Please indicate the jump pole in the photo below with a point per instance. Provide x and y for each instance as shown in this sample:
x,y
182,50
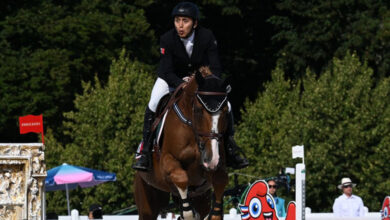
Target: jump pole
x,y
300,186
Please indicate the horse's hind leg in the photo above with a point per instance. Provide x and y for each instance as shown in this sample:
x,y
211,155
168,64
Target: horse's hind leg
x,y
148,199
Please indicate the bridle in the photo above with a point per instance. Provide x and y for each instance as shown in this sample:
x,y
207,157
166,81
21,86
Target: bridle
x,y
200,135
212,134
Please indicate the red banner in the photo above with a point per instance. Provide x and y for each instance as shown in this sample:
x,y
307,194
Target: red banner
x,y
31,123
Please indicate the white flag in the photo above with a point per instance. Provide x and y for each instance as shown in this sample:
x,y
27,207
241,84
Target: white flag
x,y
297,151
290,170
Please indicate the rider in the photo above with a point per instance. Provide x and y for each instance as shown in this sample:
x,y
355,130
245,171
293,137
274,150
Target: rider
x,y
184,49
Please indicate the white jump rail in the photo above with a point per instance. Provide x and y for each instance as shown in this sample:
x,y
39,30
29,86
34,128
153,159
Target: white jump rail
x,y
231,216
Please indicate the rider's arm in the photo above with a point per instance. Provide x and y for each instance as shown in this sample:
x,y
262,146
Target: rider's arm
x,y
166,69
212,53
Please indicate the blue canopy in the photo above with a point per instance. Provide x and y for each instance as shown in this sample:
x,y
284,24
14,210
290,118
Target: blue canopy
x,y
67,177
73,176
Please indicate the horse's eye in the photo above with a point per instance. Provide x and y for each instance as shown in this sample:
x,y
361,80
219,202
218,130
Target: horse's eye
x,y
198,111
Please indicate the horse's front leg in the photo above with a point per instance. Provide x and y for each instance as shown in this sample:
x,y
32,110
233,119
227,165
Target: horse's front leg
x,y
220,180
179,177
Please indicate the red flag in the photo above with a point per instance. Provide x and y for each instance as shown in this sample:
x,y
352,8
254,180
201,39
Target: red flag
x,y
31,123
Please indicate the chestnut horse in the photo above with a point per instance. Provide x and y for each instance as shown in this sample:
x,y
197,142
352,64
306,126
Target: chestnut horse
x,y
190,162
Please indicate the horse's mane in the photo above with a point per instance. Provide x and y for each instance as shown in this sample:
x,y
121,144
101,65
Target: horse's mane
x,y
205,71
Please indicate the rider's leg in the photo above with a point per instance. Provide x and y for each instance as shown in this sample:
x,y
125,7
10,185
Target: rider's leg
x,y
144,161
233,159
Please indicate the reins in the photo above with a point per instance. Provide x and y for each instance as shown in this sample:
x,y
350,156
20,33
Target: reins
x,y
191,123
209,135
172,103
211,93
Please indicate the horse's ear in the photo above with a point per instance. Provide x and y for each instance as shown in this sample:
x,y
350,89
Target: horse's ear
x,y
199,78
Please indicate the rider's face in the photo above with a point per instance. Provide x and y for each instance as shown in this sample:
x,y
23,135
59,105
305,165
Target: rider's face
x,y
184,26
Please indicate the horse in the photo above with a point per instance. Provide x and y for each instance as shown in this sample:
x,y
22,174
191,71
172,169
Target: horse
x,y
190,162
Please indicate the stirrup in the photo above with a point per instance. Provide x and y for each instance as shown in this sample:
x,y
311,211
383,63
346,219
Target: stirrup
x,y
234,160
238,162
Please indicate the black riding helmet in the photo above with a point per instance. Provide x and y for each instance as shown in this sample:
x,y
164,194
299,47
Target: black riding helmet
x,y
187,9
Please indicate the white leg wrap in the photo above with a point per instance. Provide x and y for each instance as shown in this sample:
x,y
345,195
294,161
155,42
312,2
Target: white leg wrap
x,y
183,195
187,215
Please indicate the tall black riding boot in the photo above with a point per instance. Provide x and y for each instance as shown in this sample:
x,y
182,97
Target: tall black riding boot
x,y
232,150
144,162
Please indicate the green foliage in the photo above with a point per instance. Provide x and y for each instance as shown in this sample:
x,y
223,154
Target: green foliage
x,y
48,47
311,33
262,124
105,129
343,120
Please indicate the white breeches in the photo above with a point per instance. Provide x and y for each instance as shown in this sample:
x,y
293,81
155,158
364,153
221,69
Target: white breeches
x,y
159,90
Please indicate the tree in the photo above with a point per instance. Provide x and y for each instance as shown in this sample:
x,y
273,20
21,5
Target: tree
x,y
48,47
312,33
342,118
105,129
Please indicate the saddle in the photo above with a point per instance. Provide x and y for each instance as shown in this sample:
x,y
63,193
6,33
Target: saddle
x,y
165,104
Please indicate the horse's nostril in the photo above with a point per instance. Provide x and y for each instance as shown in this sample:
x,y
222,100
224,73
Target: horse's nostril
x,y
206,156
206,160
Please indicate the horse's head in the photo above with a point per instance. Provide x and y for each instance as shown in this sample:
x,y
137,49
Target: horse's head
x,y
210,117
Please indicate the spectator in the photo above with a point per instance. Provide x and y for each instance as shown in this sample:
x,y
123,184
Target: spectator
x,y
95,212
348,205
279,201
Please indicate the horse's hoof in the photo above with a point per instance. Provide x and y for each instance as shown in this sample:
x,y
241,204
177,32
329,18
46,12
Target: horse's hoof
x,y
197,216
208,217
192,216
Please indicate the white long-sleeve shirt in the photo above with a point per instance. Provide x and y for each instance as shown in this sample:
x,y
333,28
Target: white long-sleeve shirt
x,y
189,43
345,206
